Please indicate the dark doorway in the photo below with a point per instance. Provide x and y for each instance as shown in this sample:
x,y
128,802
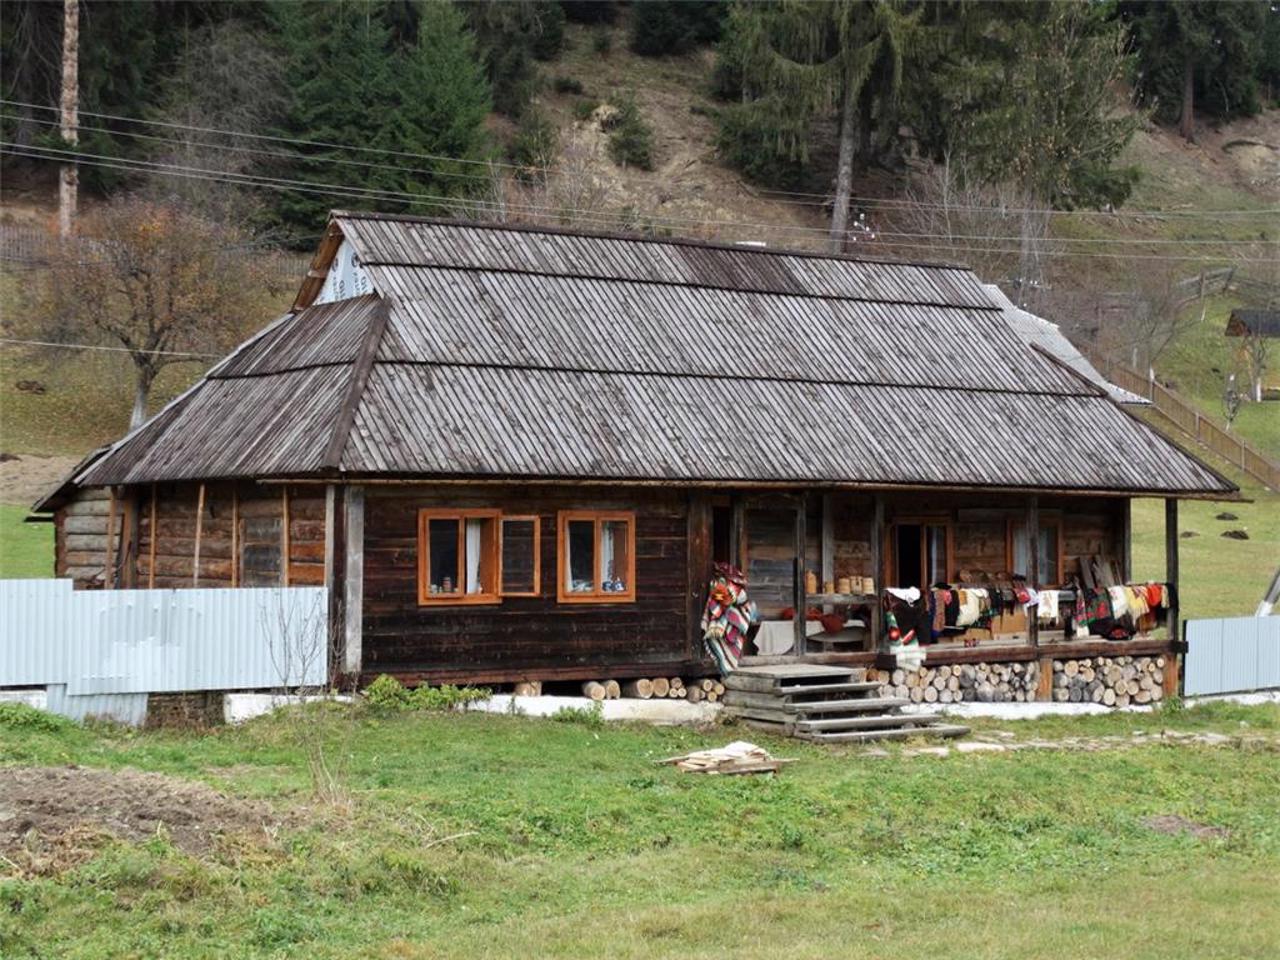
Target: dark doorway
x,y
721,523
908,560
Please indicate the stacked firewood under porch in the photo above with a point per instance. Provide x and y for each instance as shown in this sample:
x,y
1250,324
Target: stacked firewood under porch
x,y
812,701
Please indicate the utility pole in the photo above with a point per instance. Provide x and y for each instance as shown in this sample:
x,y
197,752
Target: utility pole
x,y
69,178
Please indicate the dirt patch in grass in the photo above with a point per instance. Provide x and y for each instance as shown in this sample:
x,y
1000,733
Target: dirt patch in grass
x,y
24,479
50,813
1171,823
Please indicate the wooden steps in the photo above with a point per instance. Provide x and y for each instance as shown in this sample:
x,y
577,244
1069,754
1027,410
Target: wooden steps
x,y
945,731
813,701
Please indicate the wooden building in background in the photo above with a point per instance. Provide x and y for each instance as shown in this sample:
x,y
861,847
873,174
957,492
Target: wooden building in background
x,y
516,453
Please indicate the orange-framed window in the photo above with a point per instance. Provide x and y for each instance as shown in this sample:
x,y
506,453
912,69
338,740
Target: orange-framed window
x,y
458,556
520,556
1018,556
596,556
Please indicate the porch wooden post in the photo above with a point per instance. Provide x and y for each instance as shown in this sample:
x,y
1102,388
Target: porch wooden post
x,y
700,566
828,574
1126,541
353,576
801,599
1171,564
1033,568
737,528
879,641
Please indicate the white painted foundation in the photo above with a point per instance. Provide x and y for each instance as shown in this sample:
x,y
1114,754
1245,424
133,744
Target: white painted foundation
x,y
625,709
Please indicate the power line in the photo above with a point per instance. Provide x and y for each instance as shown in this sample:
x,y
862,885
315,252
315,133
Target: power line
x,y
296,141
89,346
821,199
583,216
279,154
1127,241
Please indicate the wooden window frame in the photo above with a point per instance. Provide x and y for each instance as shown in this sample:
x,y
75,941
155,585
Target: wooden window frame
x,y
428,599
922,521
599,518
537,554
1050,520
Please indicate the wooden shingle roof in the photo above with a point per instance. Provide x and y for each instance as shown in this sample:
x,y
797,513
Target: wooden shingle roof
x,y
493,352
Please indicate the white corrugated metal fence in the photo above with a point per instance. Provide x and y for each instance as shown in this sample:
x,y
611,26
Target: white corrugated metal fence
x,y
112,646
1232,655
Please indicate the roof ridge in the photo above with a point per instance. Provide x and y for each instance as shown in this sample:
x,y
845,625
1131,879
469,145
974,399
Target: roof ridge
x,y
1090,391
636,238
361,367
760,290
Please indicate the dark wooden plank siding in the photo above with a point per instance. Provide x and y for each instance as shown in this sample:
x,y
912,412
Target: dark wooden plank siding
x,y
250,506
523,634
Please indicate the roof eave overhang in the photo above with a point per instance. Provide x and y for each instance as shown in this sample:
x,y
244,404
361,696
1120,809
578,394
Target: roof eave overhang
x,y
1232,494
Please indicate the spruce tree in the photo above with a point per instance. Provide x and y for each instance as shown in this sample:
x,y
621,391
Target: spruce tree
x,y
810,57
1199,55
350,86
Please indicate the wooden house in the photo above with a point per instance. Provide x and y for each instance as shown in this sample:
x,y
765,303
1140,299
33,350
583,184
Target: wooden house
x,y
517,453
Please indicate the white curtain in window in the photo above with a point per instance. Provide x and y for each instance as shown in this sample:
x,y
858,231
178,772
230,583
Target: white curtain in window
x,y
475,529
606,553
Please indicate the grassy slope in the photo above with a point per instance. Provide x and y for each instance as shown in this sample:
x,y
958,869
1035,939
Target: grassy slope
x,y
575,844
26,549
1198,363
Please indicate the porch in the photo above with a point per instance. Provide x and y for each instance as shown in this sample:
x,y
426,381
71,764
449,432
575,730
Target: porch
x,y
795,548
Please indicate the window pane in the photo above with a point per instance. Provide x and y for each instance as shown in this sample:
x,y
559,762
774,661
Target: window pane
x,y
260,549
478,555
580,564
1049,555
935,555
614,559
1048,551
519,549
442,544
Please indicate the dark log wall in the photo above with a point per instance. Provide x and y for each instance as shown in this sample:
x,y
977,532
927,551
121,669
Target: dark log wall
x,y
84,549
528,635
80,537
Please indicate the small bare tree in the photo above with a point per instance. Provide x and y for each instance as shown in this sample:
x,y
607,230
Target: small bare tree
x,y
1231,400
164,284
953,215
228,78
1256,346
302,645
1161,313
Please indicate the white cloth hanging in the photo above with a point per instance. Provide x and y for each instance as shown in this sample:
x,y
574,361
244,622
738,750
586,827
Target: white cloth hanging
x,y
606,554
1048,605
475,529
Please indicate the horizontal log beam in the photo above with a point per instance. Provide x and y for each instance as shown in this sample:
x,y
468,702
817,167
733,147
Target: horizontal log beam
x,y
412,676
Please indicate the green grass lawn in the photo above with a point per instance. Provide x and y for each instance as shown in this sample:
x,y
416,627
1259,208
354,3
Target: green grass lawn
x,y
26,549
570,842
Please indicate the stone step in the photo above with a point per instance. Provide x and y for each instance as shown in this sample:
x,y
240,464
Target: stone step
x,y
867,723
944,731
